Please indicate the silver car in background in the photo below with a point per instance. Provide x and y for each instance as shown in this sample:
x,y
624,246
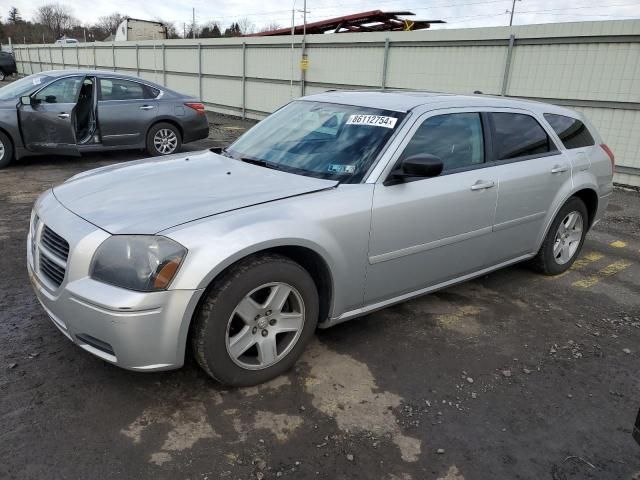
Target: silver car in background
x,y
70,112
335,206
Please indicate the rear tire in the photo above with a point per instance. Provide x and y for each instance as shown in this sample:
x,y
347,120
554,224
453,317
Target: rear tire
x,y
6,150
163,139
564,240
255,321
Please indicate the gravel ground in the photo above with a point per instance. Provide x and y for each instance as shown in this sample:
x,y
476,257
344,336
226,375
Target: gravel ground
x,y
512,375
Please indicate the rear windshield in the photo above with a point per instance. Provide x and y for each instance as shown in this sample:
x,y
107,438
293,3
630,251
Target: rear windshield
x,y
572,132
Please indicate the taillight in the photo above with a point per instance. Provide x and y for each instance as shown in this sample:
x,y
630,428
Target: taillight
x,y
612,157
198,107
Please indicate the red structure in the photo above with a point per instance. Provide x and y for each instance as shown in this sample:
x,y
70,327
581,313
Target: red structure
x,y
373,21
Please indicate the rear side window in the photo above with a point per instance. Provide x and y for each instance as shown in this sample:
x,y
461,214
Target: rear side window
x,y
455,138
119,89
572,132
518,135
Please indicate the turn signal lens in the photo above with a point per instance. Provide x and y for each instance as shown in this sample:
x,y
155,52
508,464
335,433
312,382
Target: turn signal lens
x,y
165,274
198,107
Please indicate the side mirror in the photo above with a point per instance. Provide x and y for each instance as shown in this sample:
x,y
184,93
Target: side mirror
x,y
423,165
25,100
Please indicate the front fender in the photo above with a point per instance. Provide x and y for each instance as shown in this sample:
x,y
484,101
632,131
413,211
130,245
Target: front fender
x,y
333,223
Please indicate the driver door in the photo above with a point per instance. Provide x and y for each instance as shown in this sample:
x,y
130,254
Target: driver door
x,y
429,231
48,123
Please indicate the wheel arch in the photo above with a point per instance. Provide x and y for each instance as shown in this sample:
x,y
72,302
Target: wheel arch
x,y
587,194
307,257
168,120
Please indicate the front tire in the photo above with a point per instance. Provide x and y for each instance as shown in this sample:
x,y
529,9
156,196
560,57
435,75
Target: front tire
x,y
564,240
163,139
255,320
6,150
3,76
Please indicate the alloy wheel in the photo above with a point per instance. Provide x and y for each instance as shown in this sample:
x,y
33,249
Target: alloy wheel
x,y
2,150
165,141
568,237
265,326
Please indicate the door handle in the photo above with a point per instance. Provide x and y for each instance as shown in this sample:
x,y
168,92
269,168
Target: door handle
x,y
63,115
559,169
146,107
480,185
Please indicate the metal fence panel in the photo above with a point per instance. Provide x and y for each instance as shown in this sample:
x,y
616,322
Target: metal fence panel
x,y
593,67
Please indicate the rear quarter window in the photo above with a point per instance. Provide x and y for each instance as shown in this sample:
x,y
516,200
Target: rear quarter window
x,y
517,135
572,132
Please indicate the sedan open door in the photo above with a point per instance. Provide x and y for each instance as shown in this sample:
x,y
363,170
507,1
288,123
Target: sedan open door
x,y
48,117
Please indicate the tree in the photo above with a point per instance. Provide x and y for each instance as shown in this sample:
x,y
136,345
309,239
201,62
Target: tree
x,y
14,16
211,30
56,17
246,26
270,27
233,30
109,23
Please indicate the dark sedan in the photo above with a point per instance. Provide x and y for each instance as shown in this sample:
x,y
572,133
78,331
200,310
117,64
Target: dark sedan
x,y
7,65
69,112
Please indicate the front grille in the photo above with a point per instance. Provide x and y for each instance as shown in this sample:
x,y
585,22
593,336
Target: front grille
x,y
55,243
52,253
53,271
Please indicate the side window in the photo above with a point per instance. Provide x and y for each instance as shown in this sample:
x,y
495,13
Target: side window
x,y
456,138
64,90
572,132
518,135
118,89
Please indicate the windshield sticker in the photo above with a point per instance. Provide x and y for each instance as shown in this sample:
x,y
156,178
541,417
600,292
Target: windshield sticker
x,y
335,168
37,80
373,120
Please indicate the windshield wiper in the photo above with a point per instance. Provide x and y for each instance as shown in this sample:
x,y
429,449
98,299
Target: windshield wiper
x,y
260,163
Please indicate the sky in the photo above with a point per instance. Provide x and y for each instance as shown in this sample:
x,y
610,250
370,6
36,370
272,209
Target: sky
x,y
457,13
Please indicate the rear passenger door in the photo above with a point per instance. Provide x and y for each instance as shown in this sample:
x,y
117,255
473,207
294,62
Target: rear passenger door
x,y
126,110
531,173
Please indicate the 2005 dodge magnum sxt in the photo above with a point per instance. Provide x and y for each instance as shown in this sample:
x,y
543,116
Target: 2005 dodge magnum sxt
x,y
336,205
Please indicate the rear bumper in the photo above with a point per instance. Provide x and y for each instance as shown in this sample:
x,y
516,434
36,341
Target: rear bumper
x,y
196,128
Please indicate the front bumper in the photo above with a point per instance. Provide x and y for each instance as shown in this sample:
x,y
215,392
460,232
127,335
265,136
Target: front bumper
x,y
134,330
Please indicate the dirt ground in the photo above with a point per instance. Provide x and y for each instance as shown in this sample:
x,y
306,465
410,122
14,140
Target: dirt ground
x,y
513,376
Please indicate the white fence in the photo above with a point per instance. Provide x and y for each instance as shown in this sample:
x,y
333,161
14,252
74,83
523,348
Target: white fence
x,y
593,67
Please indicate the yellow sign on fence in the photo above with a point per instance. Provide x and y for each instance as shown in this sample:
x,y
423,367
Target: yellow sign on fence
x,y
304,64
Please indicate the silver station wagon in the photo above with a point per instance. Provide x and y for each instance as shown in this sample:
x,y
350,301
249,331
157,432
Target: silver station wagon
x,y
336,205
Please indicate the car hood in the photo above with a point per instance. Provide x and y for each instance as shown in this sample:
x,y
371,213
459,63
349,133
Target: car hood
x,y
148,196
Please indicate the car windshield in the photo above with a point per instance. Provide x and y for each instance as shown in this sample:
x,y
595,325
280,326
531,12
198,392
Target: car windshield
x,y
22,86
324,140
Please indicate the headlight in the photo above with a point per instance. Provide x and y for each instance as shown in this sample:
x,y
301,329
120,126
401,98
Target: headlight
x,y
138,262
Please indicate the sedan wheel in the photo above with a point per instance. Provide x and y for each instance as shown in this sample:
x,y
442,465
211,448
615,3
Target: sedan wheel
x,y
265,326
6,150
568,237
165,141
255,320
2,76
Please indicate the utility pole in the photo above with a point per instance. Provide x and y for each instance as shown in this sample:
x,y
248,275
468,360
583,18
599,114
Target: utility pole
x,y
193,23
513,8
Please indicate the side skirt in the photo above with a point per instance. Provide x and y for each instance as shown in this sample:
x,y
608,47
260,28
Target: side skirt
x,y
423,291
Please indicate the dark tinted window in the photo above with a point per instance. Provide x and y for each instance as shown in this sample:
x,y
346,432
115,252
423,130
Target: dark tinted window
x,y
455,138
572,132
118,89
518,135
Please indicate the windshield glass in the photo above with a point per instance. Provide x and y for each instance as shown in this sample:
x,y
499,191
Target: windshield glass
x,y
324,140
23,86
